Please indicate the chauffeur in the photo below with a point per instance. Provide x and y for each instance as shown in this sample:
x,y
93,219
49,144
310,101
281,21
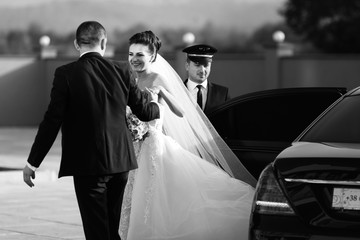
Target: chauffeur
x,y
198,66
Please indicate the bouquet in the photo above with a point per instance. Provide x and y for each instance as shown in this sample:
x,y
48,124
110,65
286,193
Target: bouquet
x,y
138,129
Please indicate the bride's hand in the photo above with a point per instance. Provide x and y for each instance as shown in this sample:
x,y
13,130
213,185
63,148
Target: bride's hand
x,y
153,94
156,89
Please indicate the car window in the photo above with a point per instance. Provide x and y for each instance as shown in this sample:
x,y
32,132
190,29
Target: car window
x,y
271,118
340,124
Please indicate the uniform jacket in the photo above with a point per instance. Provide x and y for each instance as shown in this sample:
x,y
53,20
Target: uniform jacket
x,y
88,102
216,95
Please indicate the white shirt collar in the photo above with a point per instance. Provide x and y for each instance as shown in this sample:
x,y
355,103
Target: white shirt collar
x,y
87,52
192,84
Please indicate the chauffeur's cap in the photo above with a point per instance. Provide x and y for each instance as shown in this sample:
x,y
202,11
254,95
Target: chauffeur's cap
x,y
200,53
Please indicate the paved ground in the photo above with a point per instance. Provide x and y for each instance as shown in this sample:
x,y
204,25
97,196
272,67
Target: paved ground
x,y
47,211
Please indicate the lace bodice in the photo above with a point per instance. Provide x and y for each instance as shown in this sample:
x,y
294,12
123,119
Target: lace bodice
x,y
155,128
156,124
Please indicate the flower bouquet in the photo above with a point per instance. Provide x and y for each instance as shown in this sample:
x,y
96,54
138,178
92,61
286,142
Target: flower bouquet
x,y
138,129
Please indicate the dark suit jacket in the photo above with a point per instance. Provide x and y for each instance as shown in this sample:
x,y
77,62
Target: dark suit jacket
x,y
216,95
88,101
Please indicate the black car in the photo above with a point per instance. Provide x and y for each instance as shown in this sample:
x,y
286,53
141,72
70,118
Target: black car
x,y
312,189
259,125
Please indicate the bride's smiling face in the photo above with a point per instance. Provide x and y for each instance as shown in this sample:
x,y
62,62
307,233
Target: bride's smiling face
x,y
140,57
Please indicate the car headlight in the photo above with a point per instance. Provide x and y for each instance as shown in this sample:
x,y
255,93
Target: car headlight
x,y
269,198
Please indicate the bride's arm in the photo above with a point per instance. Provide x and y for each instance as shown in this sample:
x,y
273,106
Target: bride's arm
x,y
171,101
159,85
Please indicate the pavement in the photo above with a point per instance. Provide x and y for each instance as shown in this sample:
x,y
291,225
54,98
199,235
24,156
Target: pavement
x,y
49,210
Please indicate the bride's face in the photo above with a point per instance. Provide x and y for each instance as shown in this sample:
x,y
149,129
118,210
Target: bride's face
x,y
140,57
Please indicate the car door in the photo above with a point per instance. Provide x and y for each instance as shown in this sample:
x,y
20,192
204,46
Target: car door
x,y
259,125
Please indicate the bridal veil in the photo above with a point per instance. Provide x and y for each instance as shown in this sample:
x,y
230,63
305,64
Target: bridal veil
x,y
194,131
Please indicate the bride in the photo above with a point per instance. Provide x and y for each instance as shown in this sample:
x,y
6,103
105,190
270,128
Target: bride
x,y
189,185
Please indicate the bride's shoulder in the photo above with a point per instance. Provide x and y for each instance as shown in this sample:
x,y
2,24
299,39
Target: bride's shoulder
x,y
159,80
153,77
157,76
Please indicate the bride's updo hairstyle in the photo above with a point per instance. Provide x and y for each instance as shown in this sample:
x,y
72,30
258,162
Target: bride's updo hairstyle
x,y
147,38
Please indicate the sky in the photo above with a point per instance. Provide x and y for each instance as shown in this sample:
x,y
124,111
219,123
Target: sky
x,y
21,3
62,15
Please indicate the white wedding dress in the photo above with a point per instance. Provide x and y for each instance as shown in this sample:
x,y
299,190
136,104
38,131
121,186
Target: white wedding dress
x,y
176,195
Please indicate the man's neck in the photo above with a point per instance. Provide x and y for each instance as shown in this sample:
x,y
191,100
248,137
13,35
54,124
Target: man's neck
x,y
88,50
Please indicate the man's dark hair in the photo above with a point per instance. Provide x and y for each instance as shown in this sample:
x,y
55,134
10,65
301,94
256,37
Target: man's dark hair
x,y
90,33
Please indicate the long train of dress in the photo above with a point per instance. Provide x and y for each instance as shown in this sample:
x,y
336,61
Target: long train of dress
x,y
177,195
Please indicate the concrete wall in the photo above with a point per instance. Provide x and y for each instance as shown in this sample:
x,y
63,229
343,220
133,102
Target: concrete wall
x,y
22,91
25,82
318,71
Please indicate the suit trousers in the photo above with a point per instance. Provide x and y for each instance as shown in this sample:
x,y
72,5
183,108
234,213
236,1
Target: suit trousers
x,y
100,199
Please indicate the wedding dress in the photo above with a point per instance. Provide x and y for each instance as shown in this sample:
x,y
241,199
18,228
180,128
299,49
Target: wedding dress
x,y
177,195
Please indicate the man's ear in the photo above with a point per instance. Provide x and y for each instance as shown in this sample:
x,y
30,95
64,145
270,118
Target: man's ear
x,y
77,47
103,43
186,66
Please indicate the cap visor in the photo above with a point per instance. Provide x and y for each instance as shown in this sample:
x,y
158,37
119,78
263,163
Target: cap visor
x,y
200,60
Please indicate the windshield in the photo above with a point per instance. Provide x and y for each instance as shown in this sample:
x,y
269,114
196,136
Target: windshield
x,y
340,124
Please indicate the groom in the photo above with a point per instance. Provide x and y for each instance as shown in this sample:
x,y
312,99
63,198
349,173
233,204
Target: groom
x,y
88,102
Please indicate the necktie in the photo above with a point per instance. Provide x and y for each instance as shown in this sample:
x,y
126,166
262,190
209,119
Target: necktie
x,y
199,96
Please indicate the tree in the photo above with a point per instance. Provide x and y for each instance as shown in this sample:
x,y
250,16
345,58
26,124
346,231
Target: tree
x,y
34,32
18,42
330,25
